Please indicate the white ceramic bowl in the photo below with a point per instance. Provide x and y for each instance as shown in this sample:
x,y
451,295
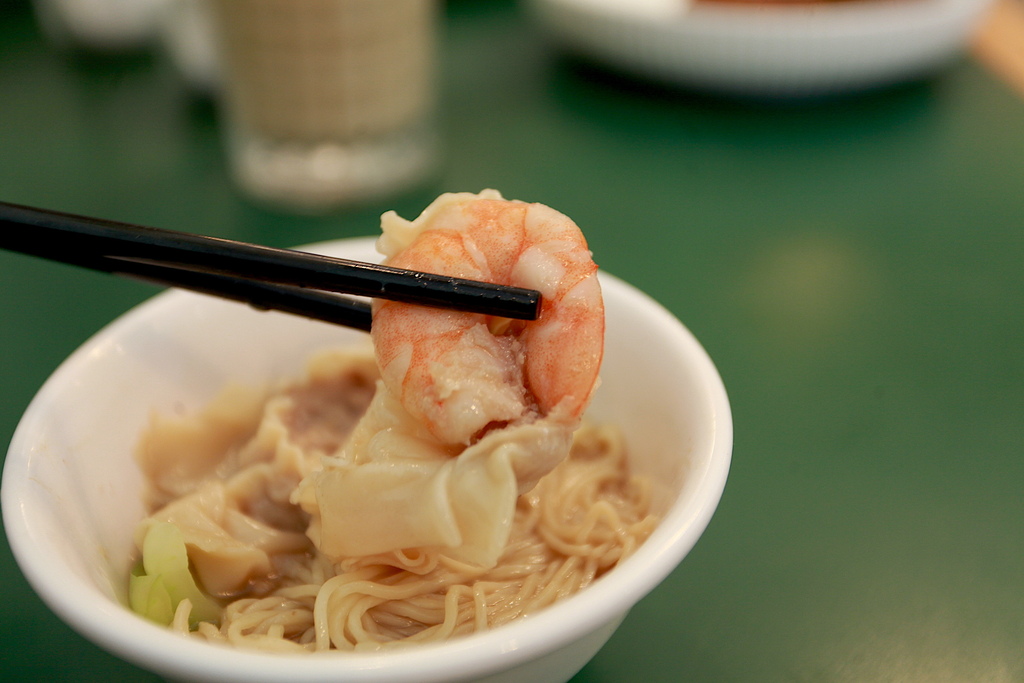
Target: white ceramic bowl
x,y
71,489
762,49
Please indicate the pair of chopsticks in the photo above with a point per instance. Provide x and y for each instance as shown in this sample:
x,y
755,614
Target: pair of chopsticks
x,y
264,277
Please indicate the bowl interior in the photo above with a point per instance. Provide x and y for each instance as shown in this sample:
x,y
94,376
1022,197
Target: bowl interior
x,y
71,490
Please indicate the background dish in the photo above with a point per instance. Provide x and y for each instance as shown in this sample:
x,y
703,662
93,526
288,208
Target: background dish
x,y
71,491
765,49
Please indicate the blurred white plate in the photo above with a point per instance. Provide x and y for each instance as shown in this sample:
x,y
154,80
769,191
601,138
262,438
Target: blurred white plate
x,y
816,48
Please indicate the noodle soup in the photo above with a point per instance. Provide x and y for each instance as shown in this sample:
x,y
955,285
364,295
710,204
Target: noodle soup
x,y
434,485
73,492
280,593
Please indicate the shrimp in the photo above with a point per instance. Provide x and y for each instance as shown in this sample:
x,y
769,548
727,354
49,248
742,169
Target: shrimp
x,y
470,410
462,375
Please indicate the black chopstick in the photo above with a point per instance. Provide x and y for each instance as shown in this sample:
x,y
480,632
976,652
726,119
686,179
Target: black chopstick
x,y
266,277
308,303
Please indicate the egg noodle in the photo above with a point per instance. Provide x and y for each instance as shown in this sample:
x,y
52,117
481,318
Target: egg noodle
x,y
578,522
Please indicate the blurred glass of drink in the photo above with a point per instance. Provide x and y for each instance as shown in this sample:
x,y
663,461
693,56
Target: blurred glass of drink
x,y
327,102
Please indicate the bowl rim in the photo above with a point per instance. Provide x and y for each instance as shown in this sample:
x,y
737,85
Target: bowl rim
x,y
156,648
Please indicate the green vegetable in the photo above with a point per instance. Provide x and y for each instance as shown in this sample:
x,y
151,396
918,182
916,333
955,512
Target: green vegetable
x,y
162,579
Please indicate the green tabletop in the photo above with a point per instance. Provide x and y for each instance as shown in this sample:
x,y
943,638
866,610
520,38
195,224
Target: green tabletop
x,y
855,268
